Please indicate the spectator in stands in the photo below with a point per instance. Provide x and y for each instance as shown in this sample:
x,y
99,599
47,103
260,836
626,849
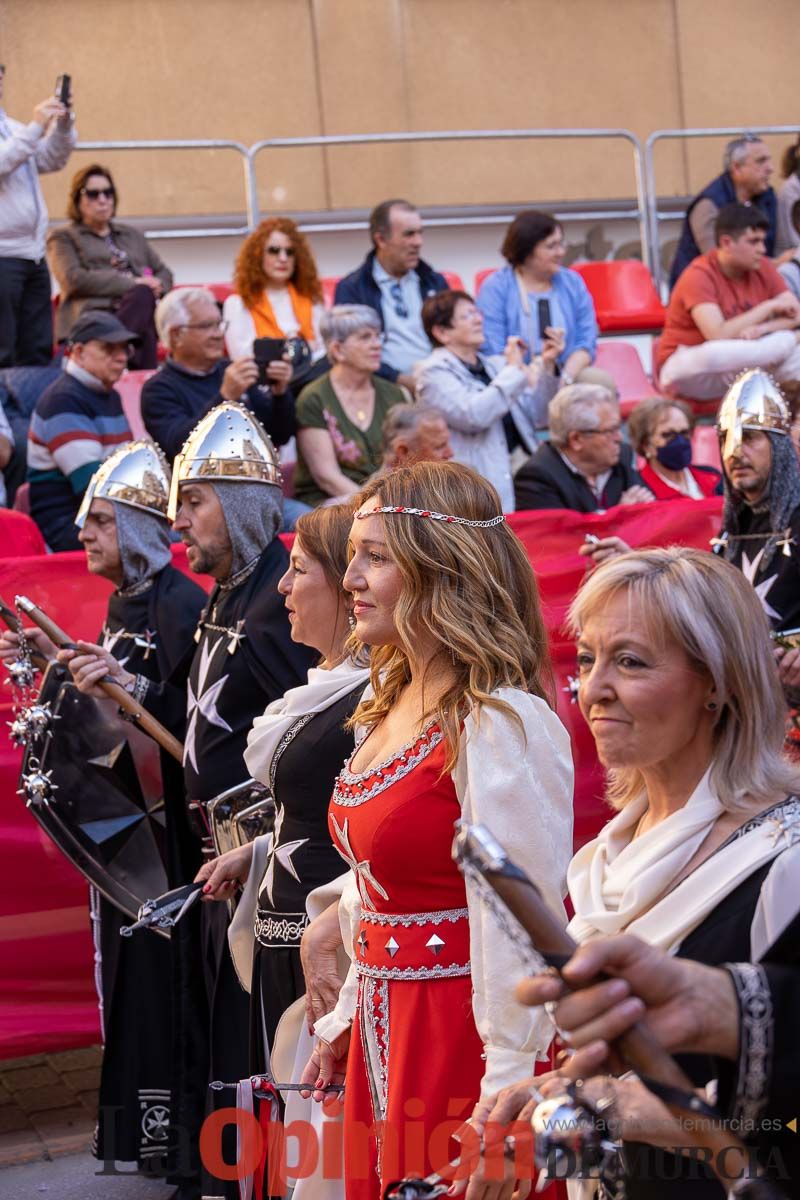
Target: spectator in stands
x,y
101,264
45,144
788,229
492,404
395,280
77,422
6,450
414,433
340,415
661,432
747,169
585,465
728,311
278,294
197,377
533,285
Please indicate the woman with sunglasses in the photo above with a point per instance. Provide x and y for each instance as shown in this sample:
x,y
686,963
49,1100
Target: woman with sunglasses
x,y
278,293
102,264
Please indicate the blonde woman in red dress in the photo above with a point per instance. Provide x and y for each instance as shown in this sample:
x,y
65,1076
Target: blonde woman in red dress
x,y
457,724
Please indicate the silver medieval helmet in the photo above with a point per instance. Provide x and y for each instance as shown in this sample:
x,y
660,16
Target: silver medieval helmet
x,y
753,401
137,474
228,445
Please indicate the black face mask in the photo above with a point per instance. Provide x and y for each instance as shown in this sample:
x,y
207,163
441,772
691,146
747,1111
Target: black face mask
x,y
676,454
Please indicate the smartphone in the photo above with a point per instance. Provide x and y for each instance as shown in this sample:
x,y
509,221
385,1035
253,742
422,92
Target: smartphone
x,y
545,320
63,90
265,351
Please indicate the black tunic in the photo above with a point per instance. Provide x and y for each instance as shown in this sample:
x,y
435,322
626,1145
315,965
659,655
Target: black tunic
x,y
778,584
654,1174
303,770
242,660
148,632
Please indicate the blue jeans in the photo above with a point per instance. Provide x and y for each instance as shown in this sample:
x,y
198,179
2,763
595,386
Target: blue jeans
x,y
292,509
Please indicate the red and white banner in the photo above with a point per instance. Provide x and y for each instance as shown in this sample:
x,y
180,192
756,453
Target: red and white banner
x,y
47,999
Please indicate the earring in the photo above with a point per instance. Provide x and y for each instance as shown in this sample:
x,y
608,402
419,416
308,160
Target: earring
x,y
712,705
351,621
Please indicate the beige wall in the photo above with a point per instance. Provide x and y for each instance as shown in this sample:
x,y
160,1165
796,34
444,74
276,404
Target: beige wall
x,y
247,69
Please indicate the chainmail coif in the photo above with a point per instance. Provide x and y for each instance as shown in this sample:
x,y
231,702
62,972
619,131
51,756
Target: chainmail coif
x,y
781,498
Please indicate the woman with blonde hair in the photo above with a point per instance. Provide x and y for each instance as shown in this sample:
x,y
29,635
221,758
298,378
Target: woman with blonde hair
x,y
457,724
680,690
278,292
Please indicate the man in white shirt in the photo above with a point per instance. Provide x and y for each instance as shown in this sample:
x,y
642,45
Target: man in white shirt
x,y
395,281
45,144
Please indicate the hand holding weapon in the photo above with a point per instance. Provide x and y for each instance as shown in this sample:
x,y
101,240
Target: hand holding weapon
x,y
112,689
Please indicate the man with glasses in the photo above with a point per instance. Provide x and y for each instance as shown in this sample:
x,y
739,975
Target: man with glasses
x,y
585,466
197,376
395,280
77,422
44,144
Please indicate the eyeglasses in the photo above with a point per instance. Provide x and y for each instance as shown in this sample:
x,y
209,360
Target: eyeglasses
x,y
276,251
610,431
400,307
97,193
206,326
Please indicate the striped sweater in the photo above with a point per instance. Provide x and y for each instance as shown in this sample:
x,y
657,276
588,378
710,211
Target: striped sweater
x,y
73,428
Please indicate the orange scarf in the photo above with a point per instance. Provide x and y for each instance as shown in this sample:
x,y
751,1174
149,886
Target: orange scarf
x,y
267,326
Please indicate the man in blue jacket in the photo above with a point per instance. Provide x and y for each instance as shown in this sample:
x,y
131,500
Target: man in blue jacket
x,y
747,171
395,281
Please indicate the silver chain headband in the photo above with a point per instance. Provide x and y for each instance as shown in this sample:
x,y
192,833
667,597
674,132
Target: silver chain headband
x,y
433,516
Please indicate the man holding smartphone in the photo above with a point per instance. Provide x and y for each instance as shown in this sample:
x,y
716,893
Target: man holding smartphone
x,y
44,144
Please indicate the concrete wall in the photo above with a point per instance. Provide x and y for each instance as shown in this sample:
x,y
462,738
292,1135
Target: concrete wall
x,y
247,69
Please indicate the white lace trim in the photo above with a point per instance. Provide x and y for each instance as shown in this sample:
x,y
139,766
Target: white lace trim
x,y
412,973
409,919
402,761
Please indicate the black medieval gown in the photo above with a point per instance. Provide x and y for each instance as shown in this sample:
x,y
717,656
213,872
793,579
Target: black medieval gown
x,y
302,773
148,632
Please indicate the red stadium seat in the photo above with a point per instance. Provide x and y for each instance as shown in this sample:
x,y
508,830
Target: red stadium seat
x,y
22,499
481,278
329,289
622,361
705,447
130,390
624,295
454,282
220,291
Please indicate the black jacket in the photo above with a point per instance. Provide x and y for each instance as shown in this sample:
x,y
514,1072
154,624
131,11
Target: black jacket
x,y
545,481
174,400
359,287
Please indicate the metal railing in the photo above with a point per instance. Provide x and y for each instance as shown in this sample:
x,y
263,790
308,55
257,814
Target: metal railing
x,y
196,144
639,213
654,214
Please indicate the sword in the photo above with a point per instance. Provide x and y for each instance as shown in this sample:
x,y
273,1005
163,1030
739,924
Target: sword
x,y
8,615
113,690
165,911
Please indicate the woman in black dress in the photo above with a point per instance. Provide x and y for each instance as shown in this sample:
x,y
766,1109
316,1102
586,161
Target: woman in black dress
x,y
296,748
679,686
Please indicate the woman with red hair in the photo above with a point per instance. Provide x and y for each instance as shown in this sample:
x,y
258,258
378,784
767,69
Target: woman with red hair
x,y
278,292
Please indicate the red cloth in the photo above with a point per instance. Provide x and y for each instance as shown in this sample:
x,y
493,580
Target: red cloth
x,y
703,282
705,480
47,999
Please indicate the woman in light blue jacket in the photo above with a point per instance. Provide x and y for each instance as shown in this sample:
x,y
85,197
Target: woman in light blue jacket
x,y
492,404
535,287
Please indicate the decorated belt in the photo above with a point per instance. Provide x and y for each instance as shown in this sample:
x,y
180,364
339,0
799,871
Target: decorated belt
x,y
428,945
275,930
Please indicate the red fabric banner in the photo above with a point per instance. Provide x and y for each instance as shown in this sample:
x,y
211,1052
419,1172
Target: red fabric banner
x,y
47,998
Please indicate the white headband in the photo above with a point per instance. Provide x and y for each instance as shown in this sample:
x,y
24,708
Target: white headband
x,y
433,516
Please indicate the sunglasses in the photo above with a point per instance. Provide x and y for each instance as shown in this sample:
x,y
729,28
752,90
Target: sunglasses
x,y
96,193
276,251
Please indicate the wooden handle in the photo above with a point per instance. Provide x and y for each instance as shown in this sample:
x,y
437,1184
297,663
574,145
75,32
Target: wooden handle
x,y
638,1046
113,690
8,615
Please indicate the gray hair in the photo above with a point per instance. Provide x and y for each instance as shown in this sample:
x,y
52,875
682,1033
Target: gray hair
x,y
405,419
737,150
574,408
712,612
174,309
345,319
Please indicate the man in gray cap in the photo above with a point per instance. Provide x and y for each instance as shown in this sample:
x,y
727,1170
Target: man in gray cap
x,y
77,422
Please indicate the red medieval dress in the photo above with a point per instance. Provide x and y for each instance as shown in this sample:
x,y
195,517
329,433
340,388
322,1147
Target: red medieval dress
x,y
415,1057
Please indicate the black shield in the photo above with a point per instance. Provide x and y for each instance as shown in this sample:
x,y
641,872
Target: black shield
x,y
105,807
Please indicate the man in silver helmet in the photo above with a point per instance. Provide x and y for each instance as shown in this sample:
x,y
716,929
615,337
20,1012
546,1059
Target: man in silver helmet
x,y
761,517
226,503
149,624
